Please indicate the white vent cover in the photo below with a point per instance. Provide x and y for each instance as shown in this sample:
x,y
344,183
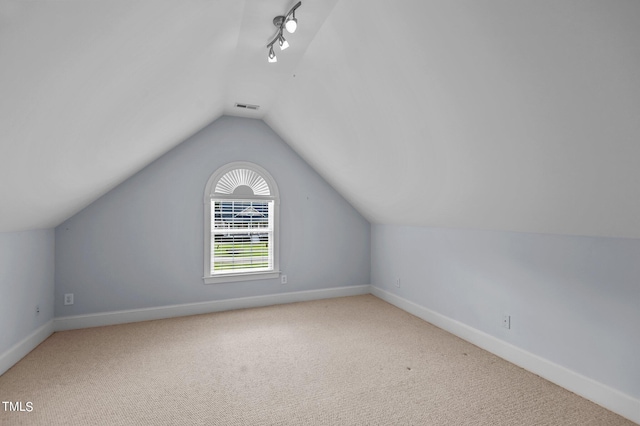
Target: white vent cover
x,y
236,178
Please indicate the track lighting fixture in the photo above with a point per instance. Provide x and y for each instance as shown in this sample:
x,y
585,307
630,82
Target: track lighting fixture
x,y
287,21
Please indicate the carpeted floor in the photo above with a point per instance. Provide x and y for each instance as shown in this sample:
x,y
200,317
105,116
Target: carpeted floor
x,y
347,361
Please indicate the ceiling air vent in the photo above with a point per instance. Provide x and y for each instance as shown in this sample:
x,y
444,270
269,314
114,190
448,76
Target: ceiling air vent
x,y
247,106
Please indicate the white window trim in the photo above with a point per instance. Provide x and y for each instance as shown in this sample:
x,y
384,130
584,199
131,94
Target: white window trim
x,y
209,194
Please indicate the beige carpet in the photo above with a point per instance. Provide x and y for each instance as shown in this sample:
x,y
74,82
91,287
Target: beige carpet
x,y
348,361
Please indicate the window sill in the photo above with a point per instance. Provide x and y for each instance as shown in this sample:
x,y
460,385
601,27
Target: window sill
x,y
244,276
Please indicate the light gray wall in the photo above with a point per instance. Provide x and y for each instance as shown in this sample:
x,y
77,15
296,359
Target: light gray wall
x,y
26,280
573,300
141,245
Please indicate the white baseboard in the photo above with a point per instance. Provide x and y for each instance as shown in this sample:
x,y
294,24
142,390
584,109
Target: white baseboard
x,y
23,347
590,389
162,312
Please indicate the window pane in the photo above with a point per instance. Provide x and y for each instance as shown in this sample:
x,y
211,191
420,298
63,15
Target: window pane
x,y
241,236
240,214
231,253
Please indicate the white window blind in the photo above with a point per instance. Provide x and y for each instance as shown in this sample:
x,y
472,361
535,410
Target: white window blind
x,y
239,178
241,235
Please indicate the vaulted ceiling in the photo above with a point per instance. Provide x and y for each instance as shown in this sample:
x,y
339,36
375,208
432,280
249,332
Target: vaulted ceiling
x,y
491,114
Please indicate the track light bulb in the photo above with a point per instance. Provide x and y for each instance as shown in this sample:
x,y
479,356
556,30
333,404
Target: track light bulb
x,y
283,42
272,55
292,23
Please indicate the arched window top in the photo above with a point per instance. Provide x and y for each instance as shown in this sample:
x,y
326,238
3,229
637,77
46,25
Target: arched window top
x,y
241,179
242,182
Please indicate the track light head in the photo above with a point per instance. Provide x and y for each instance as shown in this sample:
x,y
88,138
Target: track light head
x,y
282,42
272,55
292,23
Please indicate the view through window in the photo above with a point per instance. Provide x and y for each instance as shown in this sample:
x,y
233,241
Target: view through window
x,y
242,237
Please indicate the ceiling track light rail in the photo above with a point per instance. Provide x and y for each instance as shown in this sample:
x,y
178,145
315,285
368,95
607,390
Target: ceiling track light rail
x,y
282,22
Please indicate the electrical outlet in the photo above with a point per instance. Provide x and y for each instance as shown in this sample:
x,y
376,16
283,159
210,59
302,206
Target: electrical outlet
x,y
398,282
506,321
283,279
68,299
37,310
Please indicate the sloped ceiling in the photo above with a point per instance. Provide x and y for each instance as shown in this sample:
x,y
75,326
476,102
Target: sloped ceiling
x,y
521,116
93,91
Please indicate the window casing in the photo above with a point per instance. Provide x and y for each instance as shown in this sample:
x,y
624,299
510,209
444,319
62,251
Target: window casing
x,y
241,224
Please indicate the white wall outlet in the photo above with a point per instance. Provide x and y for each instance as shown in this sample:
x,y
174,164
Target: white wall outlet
x,y
37,310
283,279
506,321
397,282
68,299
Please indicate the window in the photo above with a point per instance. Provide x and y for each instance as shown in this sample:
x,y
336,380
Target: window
x,y
241,224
